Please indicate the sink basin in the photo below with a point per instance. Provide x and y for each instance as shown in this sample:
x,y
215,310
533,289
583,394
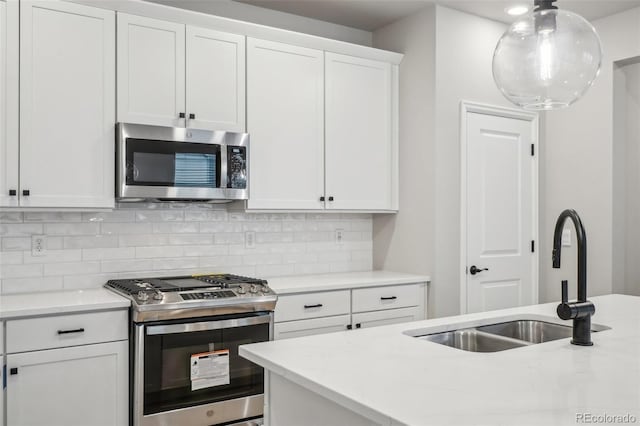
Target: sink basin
x,y
474,341
529,331
506,333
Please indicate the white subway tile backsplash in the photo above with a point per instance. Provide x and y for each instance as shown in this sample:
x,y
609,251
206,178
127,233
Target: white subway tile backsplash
x,y
84,250
16,243
126,228
52,217
20,229
91,241
71,268
159,216
127,265
71,228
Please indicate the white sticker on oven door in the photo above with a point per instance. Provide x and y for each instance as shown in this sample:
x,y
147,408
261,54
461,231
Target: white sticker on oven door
x,y
209,369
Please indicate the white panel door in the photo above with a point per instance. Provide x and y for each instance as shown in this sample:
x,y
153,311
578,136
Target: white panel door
x,y
285,118
151,71
77,386
359,144
67,105
215,80
9,143
500,208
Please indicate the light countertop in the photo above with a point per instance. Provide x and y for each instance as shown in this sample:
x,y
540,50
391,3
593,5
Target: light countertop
x,y
338,281
59,302
393,378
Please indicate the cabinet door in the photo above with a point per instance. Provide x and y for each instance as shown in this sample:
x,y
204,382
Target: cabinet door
x,y
77,386
9,59
390,316
285,109
215,80
358,133
309,327
67,105
151,67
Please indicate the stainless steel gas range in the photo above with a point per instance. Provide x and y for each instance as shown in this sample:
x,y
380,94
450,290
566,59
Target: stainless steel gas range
x,y
185,333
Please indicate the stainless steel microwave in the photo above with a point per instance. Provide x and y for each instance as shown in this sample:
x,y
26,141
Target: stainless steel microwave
x,y
172,163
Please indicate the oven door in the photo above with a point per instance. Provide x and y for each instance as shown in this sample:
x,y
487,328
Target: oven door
x,y
187,367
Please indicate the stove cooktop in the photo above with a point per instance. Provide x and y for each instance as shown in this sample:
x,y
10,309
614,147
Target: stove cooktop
x,y
187,294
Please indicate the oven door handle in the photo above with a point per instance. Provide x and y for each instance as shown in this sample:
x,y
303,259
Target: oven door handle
x,y
207,325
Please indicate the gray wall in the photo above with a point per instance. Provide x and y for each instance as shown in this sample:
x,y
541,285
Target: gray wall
x,y
447,59
273,18
579,169
405,241
626,178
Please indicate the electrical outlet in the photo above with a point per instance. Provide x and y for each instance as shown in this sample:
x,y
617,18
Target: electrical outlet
x,y
38,245
250,239
339,236
566,237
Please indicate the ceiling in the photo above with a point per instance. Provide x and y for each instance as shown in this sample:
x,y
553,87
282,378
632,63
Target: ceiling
x,y
372,14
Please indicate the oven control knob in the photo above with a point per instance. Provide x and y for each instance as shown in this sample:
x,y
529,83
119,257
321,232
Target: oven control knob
x,y
158,296
142,295
253,288
241,290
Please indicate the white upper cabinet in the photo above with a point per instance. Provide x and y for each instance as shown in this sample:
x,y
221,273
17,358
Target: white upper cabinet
x,y
9,92
359,142
151,71
175,75
215,80
67,105
285,105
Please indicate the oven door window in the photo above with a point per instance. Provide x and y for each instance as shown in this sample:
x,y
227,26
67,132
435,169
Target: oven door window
x,y
168,372
172,164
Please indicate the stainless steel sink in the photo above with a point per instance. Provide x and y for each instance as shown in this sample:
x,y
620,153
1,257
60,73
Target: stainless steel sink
x,y
474,341
529,331
501,336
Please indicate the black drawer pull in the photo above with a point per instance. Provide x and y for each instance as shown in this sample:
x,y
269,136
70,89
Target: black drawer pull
x,y
13,371
75,330
358,325
388,298
192,116
26,192
13,192
331,198
319,305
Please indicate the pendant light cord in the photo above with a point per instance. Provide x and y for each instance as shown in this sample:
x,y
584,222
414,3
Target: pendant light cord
x,y
539,5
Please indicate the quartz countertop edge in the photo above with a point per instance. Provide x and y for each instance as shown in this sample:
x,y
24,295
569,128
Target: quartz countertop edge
x,y
389,377
340,281
59,302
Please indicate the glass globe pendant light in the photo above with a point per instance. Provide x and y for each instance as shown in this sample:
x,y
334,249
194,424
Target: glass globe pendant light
x,y
547,59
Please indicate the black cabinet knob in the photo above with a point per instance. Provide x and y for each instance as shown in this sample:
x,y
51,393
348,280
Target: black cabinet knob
x,y
181,115
322,198
13,371
192,116
331,198
26,192
13,192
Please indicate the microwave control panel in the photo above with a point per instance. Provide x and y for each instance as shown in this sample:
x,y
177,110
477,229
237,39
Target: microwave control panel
x,y
237,167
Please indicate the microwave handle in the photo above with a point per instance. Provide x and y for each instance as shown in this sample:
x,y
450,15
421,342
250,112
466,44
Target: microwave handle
x,y
191,327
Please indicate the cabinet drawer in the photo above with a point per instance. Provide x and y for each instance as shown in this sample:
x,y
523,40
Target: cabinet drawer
x,y
66,330
287,330
386,317
390,297
312,305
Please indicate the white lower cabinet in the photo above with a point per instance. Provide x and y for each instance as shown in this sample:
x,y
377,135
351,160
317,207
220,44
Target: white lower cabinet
x,y
306,314
57,384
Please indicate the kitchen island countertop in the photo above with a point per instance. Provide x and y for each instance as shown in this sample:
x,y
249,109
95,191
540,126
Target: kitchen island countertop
x,y
392,378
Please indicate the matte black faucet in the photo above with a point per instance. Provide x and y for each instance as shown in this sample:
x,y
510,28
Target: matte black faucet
x,y
580,312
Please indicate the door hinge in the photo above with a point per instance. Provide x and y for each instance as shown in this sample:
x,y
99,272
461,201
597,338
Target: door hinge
x,y
533,246
533,150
